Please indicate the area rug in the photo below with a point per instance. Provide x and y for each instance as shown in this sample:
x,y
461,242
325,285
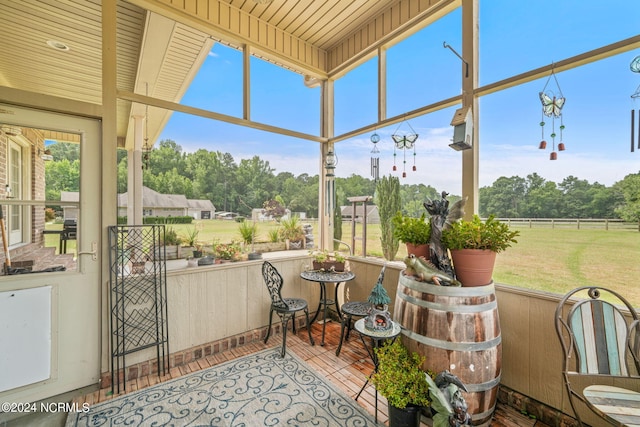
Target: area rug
x,y
256,390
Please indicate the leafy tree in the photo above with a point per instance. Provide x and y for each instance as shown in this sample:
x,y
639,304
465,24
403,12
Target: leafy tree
x,y
576,197
629,189
63,175
503,198
64,151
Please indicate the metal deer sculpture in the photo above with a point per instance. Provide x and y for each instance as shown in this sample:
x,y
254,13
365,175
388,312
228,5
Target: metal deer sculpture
x,y
442,217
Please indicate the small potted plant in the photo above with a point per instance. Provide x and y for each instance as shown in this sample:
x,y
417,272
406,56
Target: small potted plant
x,y
413,232
400,378
319,257
476,241
323,260
226,252
292,232
171,241
197,251
188,242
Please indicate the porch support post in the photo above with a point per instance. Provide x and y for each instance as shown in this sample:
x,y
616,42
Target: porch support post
x,y
326,193
108,152
134,183
470,174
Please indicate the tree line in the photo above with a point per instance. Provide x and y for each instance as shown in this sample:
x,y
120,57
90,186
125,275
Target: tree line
x,y
241,186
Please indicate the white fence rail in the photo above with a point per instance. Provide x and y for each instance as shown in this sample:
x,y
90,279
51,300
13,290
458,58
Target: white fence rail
x,y
576,223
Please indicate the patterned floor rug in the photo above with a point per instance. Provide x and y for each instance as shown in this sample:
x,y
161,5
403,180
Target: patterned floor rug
x,y
256,390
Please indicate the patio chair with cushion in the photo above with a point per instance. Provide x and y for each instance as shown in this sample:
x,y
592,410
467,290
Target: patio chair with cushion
x,y
599,337
286,308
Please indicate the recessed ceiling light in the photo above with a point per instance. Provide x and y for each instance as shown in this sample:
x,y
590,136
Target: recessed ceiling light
x,y
58,45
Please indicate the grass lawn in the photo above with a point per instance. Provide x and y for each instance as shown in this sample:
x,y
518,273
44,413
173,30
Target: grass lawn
x,y
553,260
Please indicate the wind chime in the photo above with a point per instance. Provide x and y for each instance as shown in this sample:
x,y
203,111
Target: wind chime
x,y
635,68
404,142
375,157
552,107
146,148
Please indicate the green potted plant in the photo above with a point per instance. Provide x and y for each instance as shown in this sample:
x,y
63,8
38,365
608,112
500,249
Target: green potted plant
x,y
292,232
319,257
189,240
401,380
323,260
476,241
413,232
171,241
227,251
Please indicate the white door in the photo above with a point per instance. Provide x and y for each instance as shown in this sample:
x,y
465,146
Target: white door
x,y
75,295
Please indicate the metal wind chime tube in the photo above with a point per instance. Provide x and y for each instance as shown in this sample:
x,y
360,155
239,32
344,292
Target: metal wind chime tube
x,y
635,68
375,158
331,161
633,118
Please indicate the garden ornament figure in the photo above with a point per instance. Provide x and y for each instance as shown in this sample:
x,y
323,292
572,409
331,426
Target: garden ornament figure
x,y
447,400
425,271
442,217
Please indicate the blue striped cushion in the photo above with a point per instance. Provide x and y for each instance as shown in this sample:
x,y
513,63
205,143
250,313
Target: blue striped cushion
x,y
600,332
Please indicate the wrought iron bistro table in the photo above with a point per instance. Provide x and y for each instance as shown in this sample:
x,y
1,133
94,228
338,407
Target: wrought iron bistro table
x,y
618,405
377,337
324,277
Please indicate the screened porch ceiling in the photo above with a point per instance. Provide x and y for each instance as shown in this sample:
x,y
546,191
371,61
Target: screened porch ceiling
x,y
161,44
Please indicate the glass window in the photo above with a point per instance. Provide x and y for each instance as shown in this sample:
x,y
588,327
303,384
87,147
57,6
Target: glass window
x,y
420,71
356,98
546,31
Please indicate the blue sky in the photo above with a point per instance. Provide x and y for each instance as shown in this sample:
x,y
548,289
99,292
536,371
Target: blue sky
x,y
596,114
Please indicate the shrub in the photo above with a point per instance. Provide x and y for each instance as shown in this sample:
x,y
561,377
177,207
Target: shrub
x,y
475,234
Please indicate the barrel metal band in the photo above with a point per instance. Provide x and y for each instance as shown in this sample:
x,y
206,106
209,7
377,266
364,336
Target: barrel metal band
x,y
488,385
478,308
483,415
455,346
451,291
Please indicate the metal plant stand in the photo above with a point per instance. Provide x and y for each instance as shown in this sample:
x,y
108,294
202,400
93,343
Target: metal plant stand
x,y
138,297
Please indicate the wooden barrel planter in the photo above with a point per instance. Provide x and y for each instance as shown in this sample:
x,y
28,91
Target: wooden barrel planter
x,y
456,329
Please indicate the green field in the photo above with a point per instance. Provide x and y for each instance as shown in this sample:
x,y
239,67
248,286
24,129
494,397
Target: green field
x,y
553,260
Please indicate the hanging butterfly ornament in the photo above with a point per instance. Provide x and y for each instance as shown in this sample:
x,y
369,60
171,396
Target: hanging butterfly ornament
x,y
635,68
552,104
404,142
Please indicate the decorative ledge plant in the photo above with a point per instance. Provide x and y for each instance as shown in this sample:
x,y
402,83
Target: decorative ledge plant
x,y
416,231
474,245
227,251
324,260
491,234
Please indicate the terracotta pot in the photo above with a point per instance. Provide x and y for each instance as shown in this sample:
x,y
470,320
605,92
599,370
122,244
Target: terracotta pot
x,y
473,267
418,250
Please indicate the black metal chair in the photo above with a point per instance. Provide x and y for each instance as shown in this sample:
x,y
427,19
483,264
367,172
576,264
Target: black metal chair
x,y
286,308
597,341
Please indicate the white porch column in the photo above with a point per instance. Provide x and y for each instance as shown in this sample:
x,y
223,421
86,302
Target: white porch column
x,y
134,182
